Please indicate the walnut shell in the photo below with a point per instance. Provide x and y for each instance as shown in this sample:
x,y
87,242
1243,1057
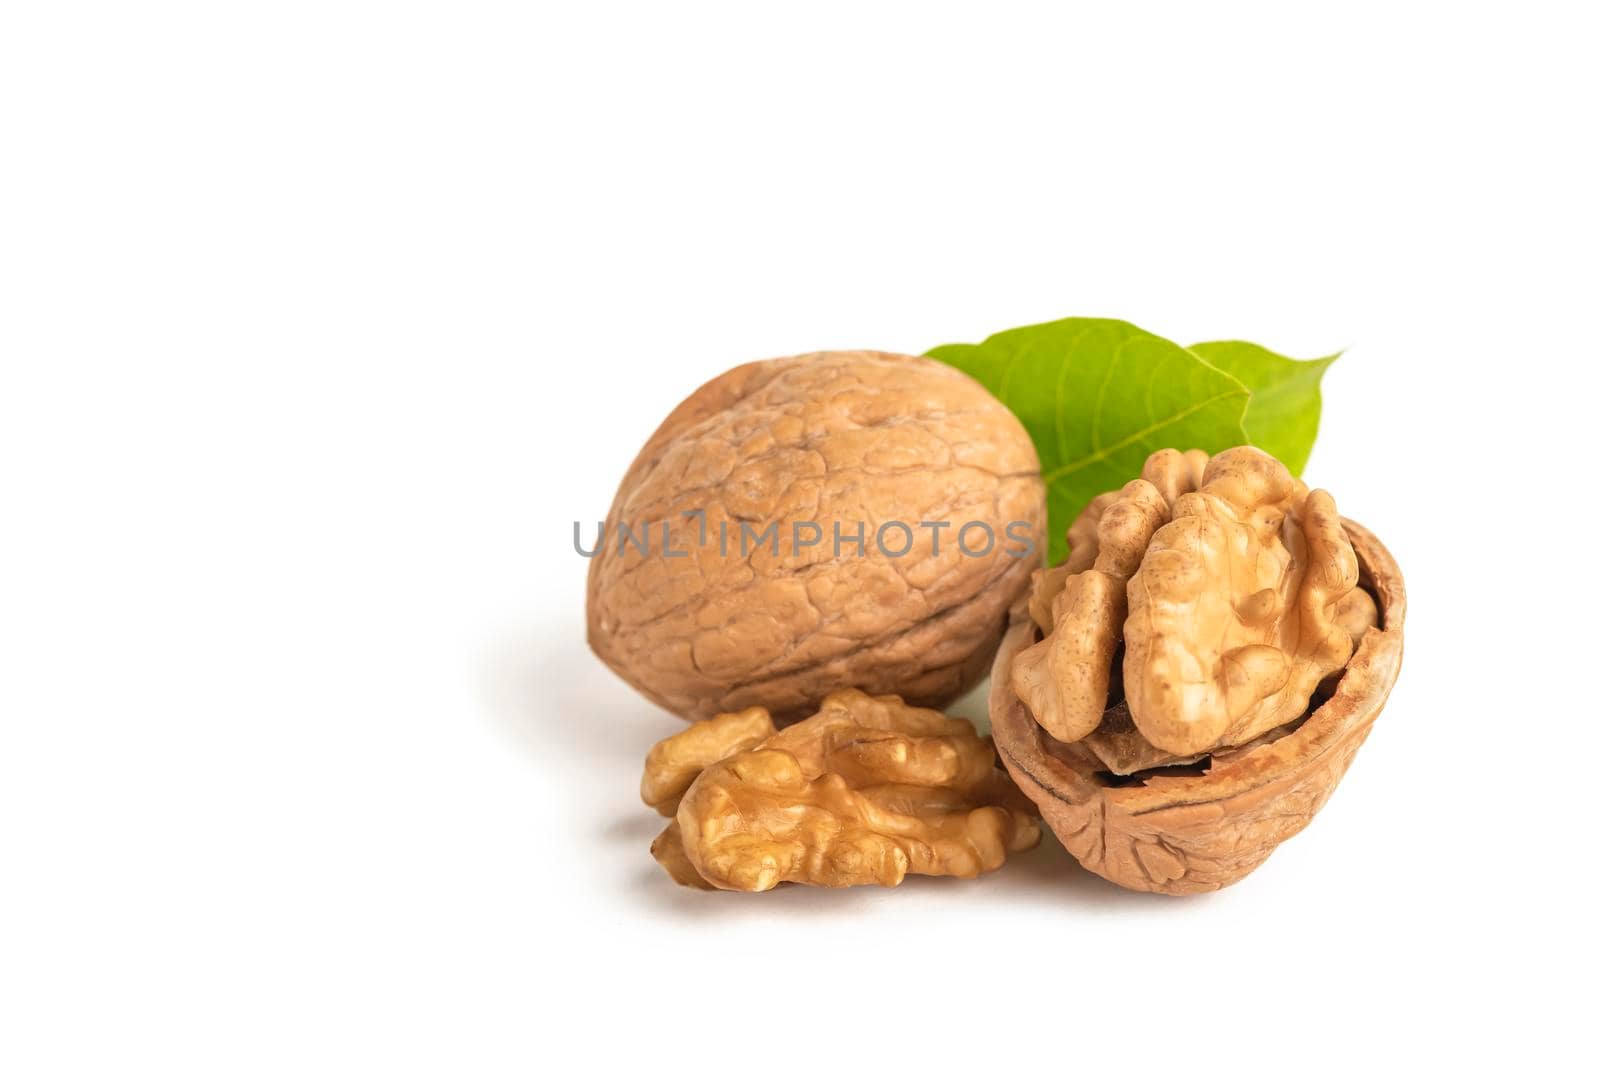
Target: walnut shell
x,y
1173,831
828,438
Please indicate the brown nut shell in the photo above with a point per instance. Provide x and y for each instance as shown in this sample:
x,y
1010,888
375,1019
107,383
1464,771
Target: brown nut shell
x,y
1177,832
868,445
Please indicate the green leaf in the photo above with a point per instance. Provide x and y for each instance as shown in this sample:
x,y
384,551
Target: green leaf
x,y
1098,396
1285,396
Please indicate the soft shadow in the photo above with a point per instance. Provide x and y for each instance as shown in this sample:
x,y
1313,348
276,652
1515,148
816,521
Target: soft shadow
x,y
1045,876
1049,872
549,697
641,826
551,700
654,892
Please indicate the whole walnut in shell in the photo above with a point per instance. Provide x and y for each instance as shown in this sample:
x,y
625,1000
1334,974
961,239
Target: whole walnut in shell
x,y
833,520
1186,690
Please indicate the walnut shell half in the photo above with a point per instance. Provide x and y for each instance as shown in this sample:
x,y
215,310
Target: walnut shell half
x,y
1178,831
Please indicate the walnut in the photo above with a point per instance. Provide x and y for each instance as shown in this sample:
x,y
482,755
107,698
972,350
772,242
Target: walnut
x,y
1252,666
669,853
1065,679
905,514
673,763
1356,613
867,790
1230,622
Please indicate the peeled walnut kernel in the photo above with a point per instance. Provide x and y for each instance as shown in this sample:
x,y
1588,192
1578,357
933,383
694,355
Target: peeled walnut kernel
x,y
1230,617
867,790
673,763
1065,679
1356,613
669,853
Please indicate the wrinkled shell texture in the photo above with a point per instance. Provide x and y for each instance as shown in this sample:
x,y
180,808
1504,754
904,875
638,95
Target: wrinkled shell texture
x,y
833,437
1245,600
866,791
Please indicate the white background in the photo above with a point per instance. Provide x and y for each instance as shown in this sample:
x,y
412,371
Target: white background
x,y
321,323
